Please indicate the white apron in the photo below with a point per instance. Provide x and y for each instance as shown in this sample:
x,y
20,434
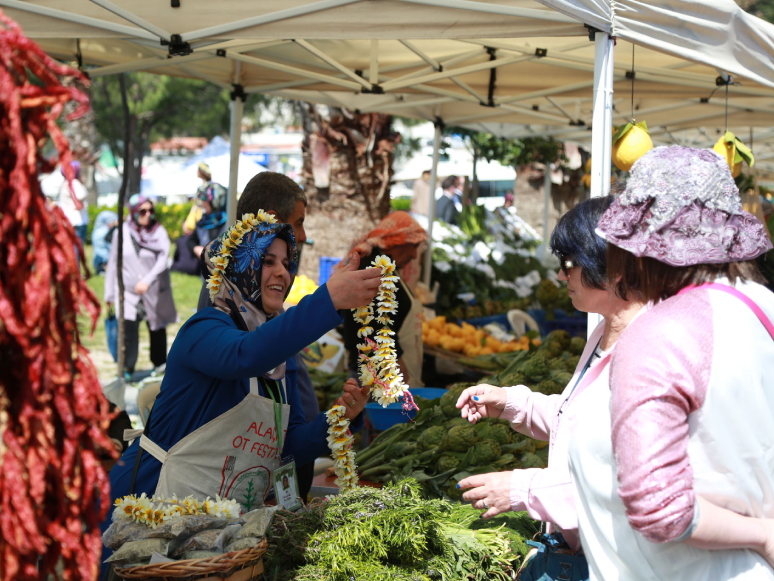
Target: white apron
x,y
410,338
233,455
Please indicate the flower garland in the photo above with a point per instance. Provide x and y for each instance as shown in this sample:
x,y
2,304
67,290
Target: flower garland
x,y
340,442
230,243
380,369
155,511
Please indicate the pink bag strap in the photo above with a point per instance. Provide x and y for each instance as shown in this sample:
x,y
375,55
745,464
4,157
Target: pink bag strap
x,y
741,296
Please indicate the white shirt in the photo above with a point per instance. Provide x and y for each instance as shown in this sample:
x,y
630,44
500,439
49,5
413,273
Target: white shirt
x,y
76,217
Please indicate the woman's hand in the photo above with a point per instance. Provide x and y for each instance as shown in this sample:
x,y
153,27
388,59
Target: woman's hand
x,y
490,492
354,398
351,288
482,401
140,288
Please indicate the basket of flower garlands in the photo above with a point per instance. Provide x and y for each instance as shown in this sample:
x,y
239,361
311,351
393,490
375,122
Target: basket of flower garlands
x,y
168,538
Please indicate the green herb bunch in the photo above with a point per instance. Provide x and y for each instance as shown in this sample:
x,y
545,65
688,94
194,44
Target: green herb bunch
x,y
391,533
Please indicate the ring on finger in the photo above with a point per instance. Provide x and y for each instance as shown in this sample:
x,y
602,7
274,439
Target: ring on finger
x,y
353,402
486,507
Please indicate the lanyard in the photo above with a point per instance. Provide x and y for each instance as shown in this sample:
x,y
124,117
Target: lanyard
x,y
277,412
580,377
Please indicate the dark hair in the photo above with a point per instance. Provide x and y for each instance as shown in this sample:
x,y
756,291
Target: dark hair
x,y
574,237
426,172
270,191
449,182
655,281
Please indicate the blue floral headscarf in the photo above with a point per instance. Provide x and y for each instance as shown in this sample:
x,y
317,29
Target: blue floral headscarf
x,y
236,289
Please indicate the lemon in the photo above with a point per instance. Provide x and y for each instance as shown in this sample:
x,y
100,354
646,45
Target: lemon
x,y
631,147
586,179
728,152
588,166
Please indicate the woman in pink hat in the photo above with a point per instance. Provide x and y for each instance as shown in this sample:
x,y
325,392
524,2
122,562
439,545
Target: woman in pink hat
x,y
675,478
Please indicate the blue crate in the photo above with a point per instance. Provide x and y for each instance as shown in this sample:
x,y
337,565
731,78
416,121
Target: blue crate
x,y
501,319
327,264
576,325
383,418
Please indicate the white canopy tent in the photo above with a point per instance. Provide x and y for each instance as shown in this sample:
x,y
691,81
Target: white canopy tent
x,y
443,59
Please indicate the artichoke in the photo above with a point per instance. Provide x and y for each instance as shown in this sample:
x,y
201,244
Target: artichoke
x,y
498,432
577,345
449,401
564,301
529,460
562,377
557,364
549,387
513,379
547,294
461,438
572,363
535,369
554,349
458,421
486,451
431,437
452,491
447,462
559,335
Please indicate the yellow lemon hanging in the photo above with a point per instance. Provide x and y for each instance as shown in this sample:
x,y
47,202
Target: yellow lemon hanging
x,y
630,143
734,152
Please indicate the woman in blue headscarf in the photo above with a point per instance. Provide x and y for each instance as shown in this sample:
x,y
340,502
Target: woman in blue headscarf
x,y
227,413
212,200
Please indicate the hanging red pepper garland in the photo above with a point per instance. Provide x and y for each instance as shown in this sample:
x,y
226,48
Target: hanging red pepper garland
x,y
53,415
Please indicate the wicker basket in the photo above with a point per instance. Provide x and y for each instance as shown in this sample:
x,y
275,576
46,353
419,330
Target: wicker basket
x,y
235,566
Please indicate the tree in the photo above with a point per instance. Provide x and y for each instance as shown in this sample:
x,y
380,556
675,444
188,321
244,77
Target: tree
x,y
761,8
159,106
348,159
481,145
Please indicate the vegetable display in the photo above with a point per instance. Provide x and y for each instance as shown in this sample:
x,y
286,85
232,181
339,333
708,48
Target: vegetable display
x,y
394,533
53,415
467,339
440,448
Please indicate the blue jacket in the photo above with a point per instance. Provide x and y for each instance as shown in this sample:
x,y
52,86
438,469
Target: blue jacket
x,y
208,371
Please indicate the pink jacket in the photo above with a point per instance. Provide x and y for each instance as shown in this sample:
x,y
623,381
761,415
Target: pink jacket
x,y
547,493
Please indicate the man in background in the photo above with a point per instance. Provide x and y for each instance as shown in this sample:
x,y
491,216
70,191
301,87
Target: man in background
x,y
420,202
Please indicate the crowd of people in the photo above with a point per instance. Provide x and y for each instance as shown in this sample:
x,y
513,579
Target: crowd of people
x,y
660,461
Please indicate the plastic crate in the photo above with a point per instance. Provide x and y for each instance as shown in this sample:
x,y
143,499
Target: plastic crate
x,y
327,264
576,325
501,320
383,418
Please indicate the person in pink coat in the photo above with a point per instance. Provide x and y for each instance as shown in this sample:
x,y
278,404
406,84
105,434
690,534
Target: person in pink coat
x,y
675,478
547,494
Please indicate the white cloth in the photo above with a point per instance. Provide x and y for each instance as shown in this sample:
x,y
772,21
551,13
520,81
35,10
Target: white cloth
x,y
76,217
730,447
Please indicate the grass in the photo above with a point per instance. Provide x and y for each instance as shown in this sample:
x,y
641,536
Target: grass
x,y
185,290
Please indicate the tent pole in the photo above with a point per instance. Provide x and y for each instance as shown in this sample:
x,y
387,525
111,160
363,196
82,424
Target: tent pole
x,y
431,213
602,126
237,109
546,198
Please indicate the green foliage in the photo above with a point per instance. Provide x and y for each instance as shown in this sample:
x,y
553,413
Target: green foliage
x,y
391,533
577,345
171,216
402,203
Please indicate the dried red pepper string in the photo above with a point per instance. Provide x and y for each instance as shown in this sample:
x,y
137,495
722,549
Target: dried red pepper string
x,y
53,415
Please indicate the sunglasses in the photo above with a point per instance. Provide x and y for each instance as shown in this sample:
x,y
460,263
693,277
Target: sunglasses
x,y
144,212
565,263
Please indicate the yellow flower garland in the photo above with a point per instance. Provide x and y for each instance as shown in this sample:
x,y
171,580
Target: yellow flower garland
x,y
340,442
157,510
230,243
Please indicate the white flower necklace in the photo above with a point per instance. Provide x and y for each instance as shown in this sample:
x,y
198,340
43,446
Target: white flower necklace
x,y
157,510
377,367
